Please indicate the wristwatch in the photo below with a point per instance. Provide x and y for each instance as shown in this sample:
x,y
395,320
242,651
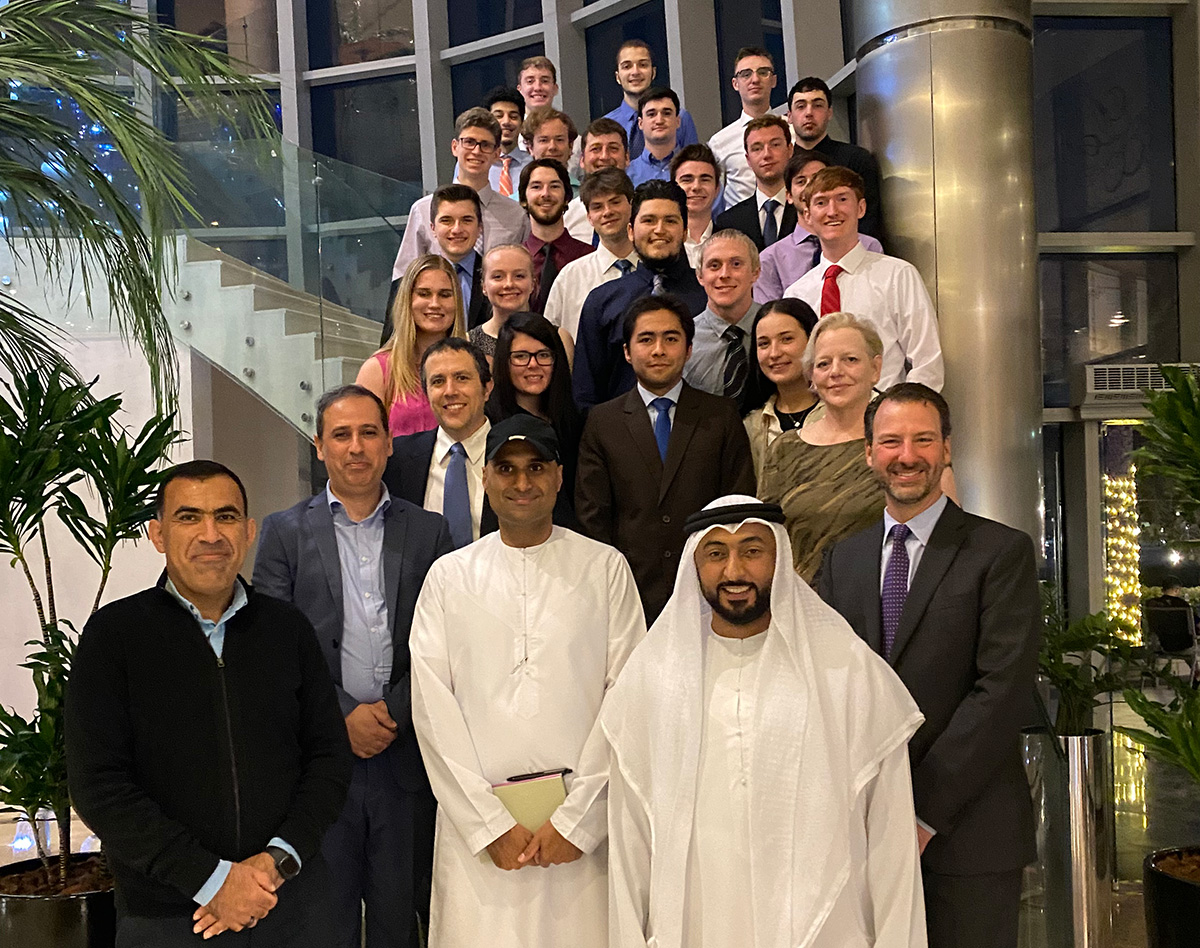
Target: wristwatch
x,y
285,862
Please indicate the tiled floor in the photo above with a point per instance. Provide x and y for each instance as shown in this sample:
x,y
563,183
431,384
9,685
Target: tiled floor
x,y
1156,807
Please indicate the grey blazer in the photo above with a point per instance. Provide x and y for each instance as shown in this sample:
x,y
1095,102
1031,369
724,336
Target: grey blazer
x,y
297,562
966,649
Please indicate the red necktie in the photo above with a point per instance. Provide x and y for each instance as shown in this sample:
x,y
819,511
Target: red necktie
x,y
831,296
506,176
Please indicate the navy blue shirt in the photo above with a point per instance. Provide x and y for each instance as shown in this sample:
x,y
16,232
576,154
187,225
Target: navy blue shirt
x,y
601,372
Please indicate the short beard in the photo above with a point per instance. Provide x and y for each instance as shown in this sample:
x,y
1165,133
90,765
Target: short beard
x,y
547,221
744,615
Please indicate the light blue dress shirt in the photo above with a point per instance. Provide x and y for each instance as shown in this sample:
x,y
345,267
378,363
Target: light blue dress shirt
x,y
366,635
648,396
625,115
215,633
645,167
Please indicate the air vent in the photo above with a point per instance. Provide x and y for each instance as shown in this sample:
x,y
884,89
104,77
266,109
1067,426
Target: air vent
x,y
1118,391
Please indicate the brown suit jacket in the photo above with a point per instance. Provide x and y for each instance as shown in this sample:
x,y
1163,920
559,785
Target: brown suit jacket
x,y
626,496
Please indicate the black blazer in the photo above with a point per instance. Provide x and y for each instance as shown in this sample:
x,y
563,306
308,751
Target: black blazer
x,y
743,216
297,561
627,497
479,311
966,649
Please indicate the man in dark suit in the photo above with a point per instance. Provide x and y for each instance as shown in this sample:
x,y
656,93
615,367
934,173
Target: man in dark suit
x,y
456,219
658,227
658,453
767,215
810,107
951,600
353,559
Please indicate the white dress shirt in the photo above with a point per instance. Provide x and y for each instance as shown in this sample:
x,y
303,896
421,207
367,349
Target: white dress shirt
x,y
504,222
780,199
693,247
576,280
891,294
435,485
576,221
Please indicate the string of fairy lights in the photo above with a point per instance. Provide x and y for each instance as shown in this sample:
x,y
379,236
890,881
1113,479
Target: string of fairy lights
x,y
1122,575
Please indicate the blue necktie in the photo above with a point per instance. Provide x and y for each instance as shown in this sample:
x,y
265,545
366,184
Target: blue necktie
x,y
456,500
662,425
895,587
624,266
770,227
595,239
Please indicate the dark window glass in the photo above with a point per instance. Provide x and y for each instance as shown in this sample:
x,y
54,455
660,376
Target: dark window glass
x,y
372,124
1104,141
1106,308
470,82
341,32
1051,569
646,22
182,125
748,23
471,20
248,32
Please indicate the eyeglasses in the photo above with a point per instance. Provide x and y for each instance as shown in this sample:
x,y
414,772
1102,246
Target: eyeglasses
x,y
474,144
763,72
522,357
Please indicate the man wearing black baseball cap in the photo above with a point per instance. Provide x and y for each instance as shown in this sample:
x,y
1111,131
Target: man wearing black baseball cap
x,y
515,641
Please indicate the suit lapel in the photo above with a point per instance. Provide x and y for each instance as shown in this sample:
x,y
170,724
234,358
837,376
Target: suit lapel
x,y
637,420
682,429
789,222
395,525
755,227
944,542
871,554
479,304
320,523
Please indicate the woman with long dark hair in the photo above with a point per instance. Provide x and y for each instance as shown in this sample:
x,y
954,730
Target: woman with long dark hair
x,y
530,374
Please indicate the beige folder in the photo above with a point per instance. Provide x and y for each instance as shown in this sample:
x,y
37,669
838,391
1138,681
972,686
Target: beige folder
x,y
532,802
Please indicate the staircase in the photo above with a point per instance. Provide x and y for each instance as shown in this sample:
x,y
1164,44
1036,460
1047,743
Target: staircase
x,y
284,345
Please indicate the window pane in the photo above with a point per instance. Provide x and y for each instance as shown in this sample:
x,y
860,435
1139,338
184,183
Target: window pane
x,y
471,20
1104,140
646,22
247,31
341,32
748,23
470,82
1106,308
372,124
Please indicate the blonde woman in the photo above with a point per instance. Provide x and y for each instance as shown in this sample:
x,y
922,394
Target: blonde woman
x,y
818,473
428,307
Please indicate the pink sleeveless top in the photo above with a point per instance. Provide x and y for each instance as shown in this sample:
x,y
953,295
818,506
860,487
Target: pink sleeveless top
x,y
409,413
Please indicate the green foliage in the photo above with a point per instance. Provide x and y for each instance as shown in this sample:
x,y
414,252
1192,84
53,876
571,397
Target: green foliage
x,y
55,439
1174,727
1172,438
1068,656
56,196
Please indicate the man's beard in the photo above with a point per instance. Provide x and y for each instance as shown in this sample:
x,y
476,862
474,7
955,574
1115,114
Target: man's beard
x,y
743,613
912,494
547,220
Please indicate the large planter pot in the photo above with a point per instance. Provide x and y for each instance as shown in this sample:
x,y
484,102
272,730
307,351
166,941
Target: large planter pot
x,y
1172,904
85,920
1073,804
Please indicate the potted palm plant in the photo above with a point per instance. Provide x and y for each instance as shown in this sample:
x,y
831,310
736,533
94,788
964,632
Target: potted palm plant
x,y
56,441
1171,877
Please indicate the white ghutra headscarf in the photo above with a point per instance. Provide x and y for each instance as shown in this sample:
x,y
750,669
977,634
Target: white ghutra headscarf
x,y
828,711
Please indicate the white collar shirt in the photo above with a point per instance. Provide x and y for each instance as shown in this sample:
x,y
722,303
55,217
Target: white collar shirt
x,y
920,530
435,485
576,280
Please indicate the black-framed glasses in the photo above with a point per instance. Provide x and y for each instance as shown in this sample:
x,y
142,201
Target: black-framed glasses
x,y
763,72
473,144
522,357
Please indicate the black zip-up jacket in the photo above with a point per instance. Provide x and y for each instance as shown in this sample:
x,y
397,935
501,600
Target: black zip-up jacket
x,y
178,759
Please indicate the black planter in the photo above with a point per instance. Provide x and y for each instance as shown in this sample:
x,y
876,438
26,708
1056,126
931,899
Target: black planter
x,y
86,920
1172,905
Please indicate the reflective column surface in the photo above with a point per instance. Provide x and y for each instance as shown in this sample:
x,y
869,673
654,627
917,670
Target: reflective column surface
x,y
944,100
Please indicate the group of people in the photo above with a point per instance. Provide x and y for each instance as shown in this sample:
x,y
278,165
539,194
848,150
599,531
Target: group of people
x,y
437,711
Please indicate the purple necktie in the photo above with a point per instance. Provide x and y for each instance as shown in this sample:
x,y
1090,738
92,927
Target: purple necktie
x,y
895,587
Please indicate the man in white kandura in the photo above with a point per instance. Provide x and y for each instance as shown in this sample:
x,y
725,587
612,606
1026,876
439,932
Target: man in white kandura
x,y
760,792
515,641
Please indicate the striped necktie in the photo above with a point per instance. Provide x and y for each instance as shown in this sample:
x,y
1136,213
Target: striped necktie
x,y
506,175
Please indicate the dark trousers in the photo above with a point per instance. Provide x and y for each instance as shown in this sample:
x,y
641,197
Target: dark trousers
x,y
380,851
299,920
973,911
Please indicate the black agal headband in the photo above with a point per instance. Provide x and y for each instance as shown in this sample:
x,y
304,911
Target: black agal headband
x,y
735,513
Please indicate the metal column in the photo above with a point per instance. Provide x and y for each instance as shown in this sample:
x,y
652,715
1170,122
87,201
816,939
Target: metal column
x,y
945,101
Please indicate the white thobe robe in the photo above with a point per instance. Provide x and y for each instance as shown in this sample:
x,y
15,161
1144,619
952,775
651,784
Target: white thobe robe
x,y
512,652
879,907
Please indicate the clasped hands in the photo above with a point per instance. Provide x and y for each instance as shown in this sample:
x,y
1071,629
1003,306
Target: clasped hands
x,y
519,848
243,900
